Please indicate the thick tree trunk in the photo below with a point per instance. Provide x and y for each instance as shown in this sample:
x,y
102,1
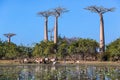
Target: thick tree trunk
x,y
102,39
46,29
9,39
56,30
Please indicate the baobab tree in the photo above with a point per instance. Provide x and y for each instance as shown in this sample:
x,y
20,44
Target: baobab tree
x,y
51,31
100,10
45,14
57,13
9,35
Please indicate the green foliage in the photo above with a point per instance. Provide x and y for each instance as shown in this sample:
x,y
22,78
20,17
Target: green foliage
x,y
63,49
74,48
12,51
66,47
44,49
24,51
82,47
114,49
87,48
8,50
2,49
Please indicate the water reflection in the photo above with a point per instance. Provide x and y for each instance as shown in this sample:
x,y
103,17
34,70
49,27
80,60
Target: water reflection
x,y
59,72
26,74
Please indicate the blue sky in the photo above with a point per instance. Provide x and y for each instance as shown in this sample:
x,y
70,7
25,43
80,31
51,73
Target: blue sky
x,y
20,17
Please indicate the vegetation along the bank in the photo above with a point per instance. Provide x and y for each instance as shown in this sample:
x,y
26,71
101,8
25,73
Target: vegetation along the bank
x,y
66,49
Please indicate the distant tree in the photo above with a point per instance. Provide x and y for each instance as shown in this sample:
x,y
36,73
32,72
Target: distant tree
x,y
44,49
67,48
57,13
50,49
10,51
114,49
13,51
100,10
86,48
2,51
39,50
45,14
77,47
63,49
51,35
9,35
24,51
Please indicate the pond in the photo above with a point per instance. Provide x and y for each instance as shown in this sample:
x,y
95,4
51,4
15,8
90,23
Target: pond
x,y
59,72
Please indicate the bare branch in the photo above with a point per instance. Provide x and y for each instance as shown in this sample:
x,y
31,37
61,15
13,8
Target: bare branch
x,y
59,10
51,30
9,35
99,10
45,13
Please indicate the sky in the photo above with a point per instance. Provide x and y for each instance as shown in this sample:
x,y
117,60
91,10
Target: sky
x,y
20,17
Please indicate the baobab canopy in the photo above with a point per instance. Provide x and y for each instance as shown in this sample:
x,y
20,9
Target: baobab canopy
x,y
100,9
58,11
45,13
9,35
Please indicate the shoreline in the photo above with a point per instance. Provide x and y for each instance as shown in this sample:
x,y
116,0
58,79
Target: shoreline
x,y
14,62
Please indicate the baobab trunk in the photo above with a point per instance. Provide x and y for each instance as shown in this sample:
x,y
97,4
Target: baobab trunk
x,y
9,35
100,10
46,30
9,39
102,39
56,30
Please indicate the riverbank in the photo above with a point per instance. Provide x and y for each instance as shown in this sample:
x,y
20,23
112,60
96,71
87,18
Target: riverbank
x,y
15,62
93,63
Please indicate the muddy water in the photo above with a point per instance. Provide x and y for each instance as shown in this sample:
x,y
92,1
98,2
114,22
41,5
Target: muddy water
x,y
59,72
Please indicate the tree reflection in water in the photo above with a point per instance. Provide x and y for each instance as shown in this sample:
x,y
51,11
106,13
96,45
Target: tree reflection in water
x,y
59,72
26,74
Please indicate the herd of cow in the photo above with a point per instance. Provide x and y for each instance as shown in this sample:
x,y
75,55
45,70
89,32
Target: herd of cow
x,y
40,60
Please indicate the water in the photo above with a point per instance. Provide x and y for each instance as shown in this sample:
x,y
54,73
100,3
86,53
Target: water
x,y
59,72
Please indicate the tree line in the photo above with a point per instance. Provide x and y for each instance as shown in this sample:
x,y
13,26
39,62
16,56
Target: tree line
x,y
66,49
